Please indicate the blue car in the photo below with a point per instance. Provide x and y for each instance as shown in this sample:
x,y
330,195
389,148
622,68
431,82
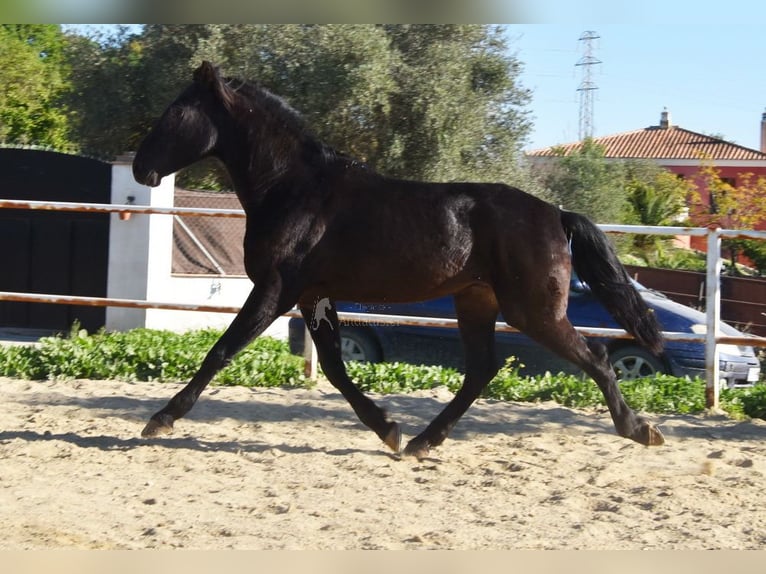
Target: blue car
x,y
441,346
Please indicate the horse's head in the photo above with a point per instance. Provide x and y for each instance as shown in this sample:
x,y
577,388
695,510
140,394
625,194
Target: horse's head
x,y
188,129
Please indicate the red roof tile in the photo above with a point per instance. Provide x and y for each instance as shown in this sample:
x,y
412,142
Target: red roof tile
x,y
657,143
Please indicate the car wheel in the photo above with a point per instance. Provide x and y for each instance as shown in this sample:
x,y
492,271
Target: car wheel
x,y
634,362
359,346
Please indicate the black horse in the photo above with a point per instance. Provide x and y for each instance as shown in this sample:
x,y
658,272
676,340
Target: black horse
x,y
321,225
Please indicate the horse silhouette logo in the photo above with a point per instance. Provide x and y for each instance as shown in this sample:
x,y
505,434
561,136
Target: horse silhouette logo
x,y
320,313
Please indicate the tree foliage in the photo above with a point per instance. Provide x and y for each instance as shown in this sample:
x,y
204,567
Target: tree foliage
x,y
740,206
422,101
584,181
33,79
656,197
116,88
621,191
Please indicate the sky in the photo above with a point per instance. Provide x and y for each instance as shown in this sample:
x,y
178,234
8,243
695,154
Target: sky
x,y
710,77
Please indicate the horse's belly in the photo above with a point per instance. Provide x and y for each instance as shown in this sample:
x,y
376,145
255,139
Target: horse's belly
x,y
397,281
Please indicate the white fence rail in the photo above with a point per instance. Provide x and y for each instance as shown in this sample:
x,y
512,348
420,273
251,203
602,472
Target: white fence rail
x,y
712,338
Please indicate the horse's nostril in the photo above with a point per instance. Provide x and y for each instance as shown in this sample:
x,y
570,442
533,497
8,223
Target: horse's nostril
x,y
151,178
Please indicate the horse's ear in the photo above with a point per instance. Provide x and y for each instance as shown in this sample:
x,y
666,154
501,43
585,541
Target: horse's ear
x,y
207,74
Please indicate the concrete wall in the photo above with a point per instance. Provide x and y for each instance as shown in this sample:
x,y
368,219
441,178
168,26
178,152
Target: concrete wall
x,y
140,264
139,248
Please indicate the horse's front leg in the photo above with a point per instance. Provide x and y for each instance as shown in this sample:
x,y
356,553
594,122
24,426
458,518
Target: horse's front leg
x,y
326,337
261,308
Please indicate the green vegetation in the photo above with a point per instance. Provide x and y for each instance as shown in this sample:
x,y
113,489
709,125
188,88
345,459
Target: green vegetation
x,y
583,180
148,355
386,94
629,191
33,81
433,102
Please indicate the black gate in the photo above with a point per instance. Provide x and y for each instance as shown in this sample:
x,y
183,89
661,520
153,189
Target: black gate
x,y
62,253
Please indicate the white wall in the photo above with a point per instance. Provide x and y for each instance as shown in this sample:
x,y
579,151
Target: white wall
x,y
131,260
140,265
202,290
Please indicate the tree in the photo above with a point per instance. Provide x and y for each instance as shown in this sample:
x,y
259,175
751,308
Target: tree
x,y
655,197
741,206
121,82
585,181
630,192
420,101
32,84
458,111
338,77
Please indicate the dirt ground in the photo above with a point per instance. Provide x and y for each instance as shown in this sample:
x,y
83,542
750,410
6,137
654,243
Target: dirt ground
x,y
294,469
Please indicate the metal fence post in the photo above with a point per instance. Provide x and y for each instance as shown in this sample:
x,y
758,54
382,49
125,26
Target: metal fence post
x,y
713,312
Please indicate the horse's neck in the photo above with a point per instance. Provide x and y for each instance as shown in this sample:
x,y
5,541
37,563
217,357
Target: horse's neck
x,y
258,162
252,168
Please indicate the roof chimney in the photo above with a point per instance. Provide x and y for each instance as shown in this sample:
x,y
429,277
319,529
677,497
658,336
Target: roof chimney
x,y
763,132
665,118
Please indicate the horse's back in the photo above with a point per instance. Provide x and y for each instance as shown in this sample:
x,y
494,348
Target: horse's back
x,y
412,239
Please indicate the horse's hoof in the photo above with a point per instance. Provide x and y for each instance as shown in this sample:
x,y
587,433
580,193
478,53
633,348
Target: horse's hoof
x,y
393,438
648,435
655,437
155,428
416,449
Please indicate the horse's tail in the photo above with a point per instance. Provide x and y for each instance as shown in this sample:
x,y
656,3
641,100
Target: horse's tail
x,y
595,262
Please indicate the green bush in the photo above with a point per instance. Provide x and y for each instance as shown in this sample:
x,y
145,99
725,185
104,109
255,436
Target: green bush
x,y
746,402
150,355
665,394
402,377
660,394
568,390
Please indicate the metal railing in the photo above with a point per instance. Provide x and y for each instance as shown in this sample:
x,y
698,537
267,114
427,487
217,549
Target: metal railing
x,y
116,208
712,338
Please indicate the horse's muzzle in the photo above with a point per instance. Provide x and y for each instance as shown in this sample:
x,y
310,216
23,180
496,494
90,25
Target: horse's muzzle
x,y
150,178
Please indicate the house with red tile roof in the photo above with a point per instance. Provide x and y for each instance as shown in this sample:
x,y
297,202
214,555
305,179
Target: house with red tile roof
x,y
679,150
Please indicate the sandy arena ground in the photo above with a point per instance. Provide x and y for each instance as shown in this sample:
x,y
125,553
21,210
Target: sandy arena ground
x,y
294,469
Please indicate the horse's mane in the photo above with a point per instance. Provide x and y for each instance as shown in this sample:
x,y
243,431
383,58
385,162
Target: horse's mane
x,y
242,97
239,96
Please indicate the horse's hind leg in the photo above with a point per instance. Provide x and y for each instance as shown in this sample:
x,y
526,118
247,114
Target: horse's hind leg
x,y
326,337
557,334
476,312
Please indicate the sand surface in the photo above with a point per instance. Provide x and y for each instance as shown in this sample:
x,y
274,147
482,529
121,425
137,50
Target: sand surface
x,y
294,469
